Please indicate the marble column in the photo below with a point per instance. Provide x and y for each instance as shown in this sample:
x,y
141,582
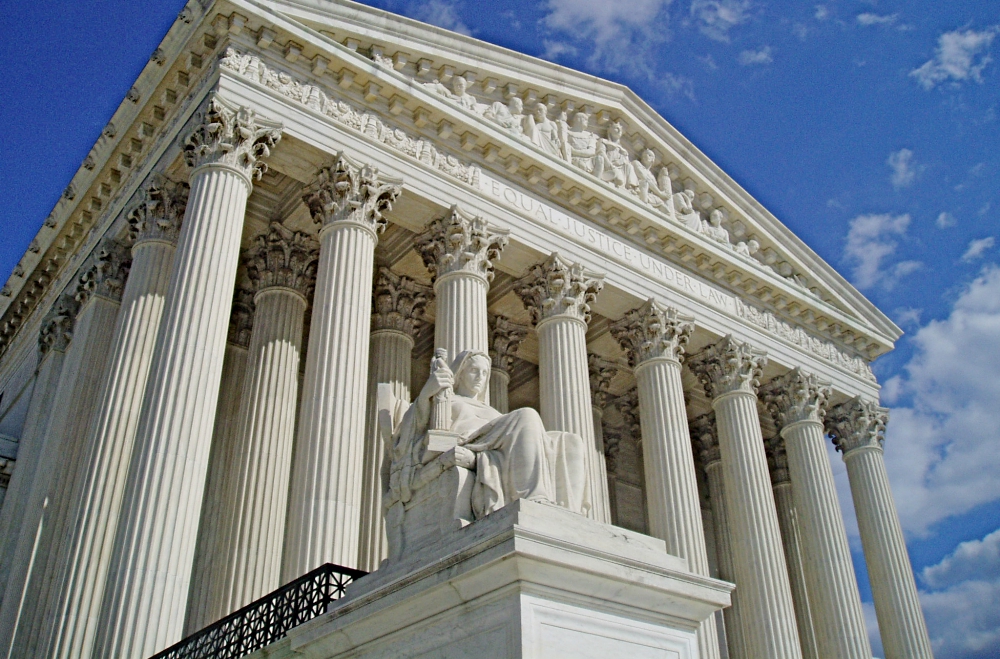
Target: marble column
x,y
281,265
98,293
505,339
73,606
205,580
53,340
601,373
149,577
324,510
706,443
558,295
858,428
397,317
796,401
654,337
791,538
459,250
729,371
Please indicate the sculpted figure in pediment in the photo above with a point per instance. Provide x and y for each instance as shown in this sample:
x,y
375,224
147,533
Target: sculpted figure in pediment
x,y
747,249
654,190
510,116
613,163
542,131
714,229
459,92
684,210
580,144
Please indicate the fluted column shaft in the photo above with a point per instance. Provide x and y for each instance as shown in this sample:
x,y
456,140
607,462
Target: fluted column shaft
x,y
857,428
205,579
149,577
729,371
390,363
499,390
324,510
460,320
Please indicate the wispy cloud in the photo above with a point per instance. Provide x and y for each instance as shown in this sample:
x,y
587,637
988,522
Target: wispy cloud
x,y
754,57
960,56
822,13
441,13
903,170
868,19
871,240
715,18
945,220
977,248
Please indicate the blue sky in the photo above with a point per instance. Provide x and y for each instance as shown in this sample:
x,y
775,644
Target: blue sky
x,y
870,127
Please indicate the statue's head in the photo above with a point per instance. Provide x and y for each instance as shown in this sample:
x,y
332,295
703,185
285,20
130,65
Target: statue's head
x,y
580,121
459,85
648,158
515,105
472,374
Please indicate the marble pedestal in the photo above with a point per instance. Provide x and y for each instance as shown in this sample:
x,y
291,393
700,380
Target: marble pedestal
x,y
531,580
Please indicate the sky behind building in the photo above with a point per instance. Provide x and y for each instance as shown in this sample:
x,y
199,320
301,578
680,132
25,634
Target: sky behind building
x,y
869,127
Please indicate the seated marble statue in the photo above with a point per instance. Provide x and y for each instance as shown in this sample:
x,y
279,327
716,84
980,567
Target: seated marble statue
x,y
515,458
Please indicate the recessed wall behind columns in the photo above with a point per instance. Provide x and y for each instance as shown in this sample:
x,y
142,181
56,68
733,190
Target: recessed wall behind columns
x,y
632,273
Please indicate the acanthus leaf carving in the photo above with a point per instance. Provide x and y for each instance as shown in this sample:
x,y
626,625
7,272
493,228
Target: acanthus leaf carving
x,y
232,136
602,372
796,396
728,366
858,423
107,273
461,242
653,331
505,338
557,287
348,192
57,326
283,258
705,439
158,210
241,317
777,460
399,303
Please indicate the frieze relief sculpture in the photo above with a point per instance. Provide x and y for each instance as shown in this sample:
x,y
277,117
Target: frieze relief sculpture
x,y
452,459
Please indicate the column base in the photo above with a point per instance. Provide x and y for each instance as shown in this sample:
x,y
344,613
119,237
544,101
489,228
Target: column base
x,y
531,580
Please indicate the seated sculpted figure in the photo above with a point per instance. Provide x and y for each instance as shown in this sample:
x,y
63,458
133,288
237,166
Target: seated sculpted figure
x,y
515,458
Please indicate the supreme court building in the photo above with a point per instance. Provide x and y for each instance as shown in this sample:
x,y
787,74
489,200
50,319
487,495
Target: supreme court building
x,y
301,199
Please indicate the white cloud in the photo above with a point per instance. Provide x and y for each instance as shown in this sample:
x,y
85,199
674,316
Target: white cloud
x,y
871,239
871,622
977,248
903,171
945,220
868,19
715,18
908,316
959,56
963,607
753,57
822,13
441,13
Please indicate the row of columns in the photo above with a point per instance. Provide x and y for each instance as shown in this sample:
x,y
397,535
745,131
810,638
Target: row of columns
x,y
104,562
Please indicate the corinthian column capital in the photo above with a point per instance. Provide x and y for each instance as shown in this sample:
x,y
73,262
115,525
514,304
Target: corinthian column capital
x,y
57,326
158,210
728,366
106,275
283,258
351,193
241,318
858,423
399,303
234,137
705,439
505,339
557,287
777,460
653,331
796,396
602,372
460,242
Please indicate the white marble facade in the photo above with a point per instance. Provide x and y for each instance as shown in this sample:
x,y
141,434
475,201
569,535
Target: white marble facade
x,y
299,201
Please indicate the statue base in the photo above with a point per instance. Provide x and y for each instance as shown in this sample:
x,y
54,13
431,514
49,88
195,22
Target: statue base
x,y
529,581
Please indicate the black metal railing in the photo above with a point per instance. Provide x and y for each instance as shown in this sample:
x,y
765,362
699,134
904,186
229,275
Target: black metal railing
x,y
267,620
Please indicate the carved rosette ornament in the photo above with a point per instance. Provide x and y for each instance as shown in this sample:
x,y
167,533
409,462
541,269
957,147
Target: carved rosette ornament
x,y
459,242
557,287
107,273
505,339
705,439
57,326
399,303
241,318
794,397
858,423
282,258
347,192
158,211
777,460
602,372
728,366
653,331
233,137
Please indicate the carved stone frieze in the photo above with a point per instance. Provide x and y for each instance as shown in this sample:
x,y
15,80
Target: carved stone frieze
x,y
57,326
796,396
348,192
399,303
106,274
727,366
858,423
705,439
653,331
232,136
158,210
505,339
241,318
283,258
602,372
461,242
557,287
